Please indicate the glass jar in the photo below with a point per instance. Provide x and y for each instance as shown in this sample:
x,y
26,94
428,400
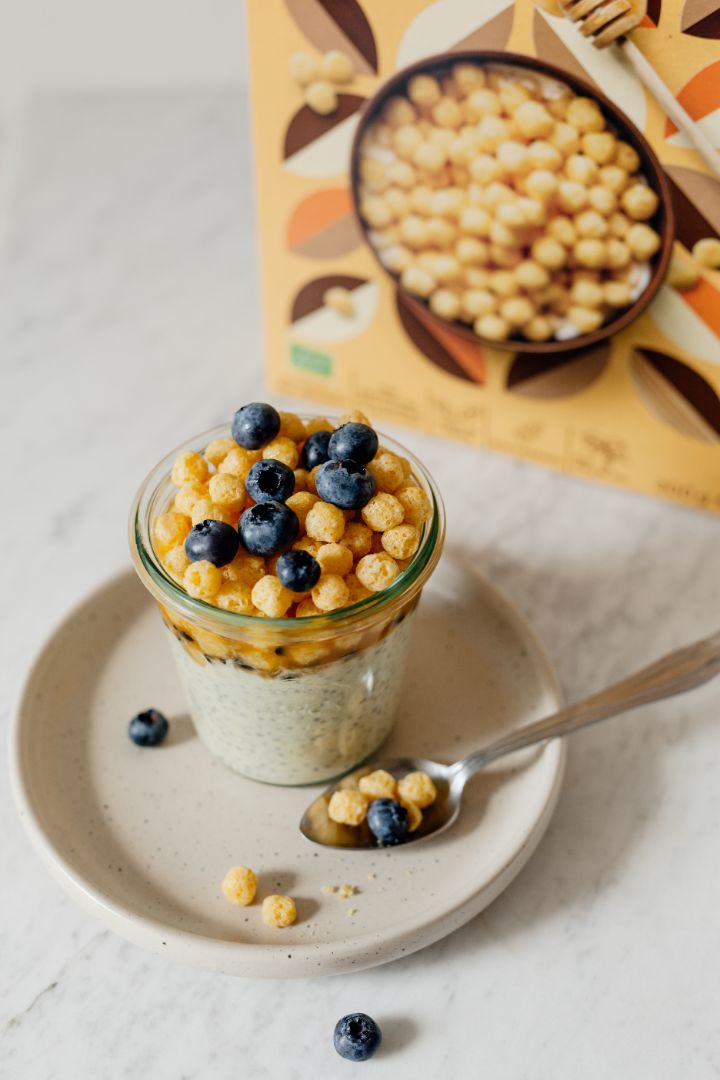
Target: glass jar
x,y
287,700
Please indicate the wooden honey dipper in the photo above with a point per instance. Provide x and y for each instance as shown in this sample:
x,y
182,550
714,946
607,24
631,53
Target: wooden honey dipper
x,y
607,22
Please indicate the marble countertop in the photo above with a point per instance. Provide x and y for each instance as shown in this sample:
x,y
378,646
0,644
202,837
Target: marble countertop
x,y
128,319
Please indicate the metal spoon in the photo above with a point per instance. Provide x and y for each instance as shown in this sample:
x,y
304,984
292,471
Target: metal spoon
x,y
681,670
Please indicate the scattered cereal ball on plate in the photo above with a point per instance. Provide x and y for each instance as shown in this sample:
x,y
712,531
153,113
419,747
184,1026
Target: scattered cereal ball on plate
x,y
148,728
298,571
347,807
382,512
189,466
642,241
379,784
330,593
707,252
414,814
334,559
627,157
279,910
255,424
282,449
202,580
388,821
240,885
682,275
337,67
376,571
321,97
418,788
169,530
212,541
639,202
235,596
415,503
356,1037
401,541
218,449
267,528
340,300
228,491
303,68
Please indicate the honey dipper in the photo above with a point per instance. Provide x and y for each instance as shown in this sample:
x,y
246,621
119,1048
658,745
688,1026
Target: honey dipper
x,y
607,22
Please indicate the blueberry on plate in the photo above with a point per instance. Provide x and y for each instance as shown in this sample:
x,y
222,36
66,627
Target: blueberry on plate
x,y
298,571
215,541
148,728
255,424
346,484
270,481
315,451
356,1037
353,442
388,821
268,527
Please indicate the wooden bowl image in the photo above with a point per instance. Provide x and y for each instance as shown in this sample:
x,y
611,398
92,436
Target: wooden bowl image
x,y
649,170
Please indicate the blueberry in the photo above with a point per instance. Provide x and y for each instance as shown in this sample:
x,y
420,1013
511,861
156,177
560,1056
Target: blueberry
x,y
270,481
268,527
212,540
298,571
388,821
347,484
315,451
353,442
148,728
356,1037
255,424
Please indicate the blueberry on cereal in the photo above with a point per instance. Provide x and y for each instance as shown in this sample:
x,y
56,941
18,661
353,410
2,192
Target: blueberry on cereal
x,y
388,821
270,481
255,424
212,541
353,442
346,484
148,728
356,1037
268,528
298,571
315,451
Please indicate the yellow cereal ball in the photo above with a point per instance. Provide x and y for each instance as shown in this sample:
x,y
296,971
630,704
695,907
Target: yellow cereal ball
x,y
382,512
543,155
591,223
600,146
347,807
444,268
271,597
279,911
188,495
374,175
244,568
572,196
321,97
539,328
301,502
468,77
639,202
493,327
585,115
469,251
481,102
462,150
189,466
418,788
206,510
584,319
379,784
618,254
565,138
497,193
614,178
227,491
238,462
418,282
282,449
414,815
376,571
477,302
202,580
510,214
406,140
512,95
441,233
398,112
517,310
357,538
305,543
581,169
170,529
627,157
218,449
707,252
445,303
325,522
475,221
303,68
590,252
485,168
602,199
176,562
448,202
533,120
430,157
235,596
356,591
475,278
562,229
681,275
330,593
619,224
355,416
642,241
588,294
404,176
335,559
375,211
318,423
306,608
387,468
413,231
549,253
401,541
503,283
447,113
337,67
534,210
396,258
617,293
240,885
424,91
541,184
513,157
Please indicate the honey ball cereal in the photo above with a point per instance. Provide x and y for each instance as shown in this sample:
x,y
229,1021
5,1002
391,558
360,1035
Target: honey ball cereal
x,y
202,580
337,67
325,522
376,571
382,512
401,541
239,885
303,68
321,97
682,275
235,596
279,911
379,784
330,593
271,597
335,559
707,252
189,467
348,807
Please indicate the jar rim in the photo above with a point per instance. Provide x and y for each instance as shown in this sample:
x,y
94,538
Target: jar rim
x,y
165,589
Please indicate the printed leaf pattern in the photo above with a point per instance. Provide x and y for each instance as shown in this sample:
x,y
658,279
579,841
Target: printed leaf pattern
x,y
560,375
676,394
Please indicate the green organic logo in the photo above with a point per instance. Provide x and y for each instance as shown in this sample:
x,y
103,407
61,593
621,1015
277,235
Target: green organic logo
x,y
311,360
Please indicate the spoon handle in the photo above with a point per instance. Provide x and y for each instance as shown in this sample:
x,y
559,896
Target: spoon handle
x,y
680,670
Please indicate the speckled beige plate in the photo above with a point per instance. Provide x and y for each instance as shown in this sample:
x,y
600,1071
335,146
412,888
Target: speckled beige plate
x,y
142,838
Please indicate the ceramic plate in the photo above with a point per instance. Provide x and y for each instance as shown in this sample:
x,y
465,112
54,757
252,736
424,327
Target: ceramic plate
x,y
141,838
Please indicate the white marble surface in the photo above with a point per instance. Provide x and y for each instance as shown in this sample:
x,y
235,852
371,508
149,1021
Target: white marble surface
x,y
128,319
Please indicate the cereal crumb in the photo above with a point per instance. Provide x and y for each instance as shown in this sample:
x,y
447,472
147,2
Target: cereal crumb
x,y
346,891
329,889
